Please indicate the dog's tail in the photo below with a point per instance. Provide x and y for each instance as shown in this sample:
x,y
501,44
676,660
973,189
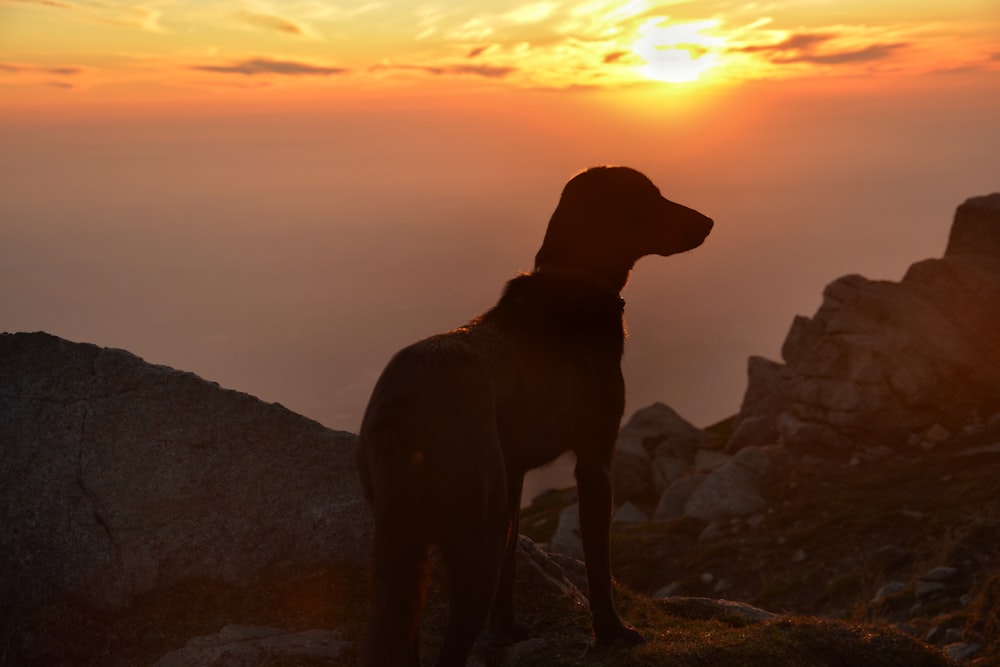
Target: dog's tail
x,y
400,575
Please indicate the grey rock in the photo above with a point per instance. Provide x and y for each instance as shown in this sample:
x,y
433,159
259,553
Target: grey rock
x,y
925,588
119,477
890,588
941,573
629,513
566,540
656,430
734,490
962,651
667,470
250,646
707,460
672,502
709,608
769,390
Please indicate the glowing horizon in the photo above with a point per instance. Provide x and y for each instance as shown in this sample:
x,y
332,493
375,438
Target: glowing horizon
x,y
53,50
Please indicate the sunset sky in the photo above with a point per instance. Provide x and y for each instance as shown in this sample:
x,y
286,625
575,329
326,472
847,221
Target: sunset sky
x,y
278,195
110,50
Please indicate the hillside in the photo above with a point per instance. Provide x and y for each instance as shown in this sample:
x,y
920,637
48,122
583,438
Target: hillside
x,y
847,515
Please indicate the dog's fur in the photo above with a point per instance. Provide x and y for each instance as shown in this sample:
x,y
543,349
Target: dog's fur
x,y
456,420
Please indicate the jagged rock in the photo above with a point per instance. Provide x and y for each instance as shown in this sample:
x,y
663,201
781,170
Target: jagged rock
x,y
881,360
119,477
769,391
734,490
976,231
250,646
653,431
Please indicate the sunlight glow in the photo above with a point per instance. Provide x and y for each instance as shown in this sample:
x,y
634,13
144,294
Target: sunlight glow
x,y
676,53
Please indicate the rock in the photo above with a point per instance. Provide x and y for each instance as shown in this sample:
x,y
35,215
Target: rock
x,y
708,608
941,573
655,430
566,540
629,513
925,588
120,477
976,230
667,470
249,646
768,394
890,588
706,460
672,502
734,489
557,575
960,651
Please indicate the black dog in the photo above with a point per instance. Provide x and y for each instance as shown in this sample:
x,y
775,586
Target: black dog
x,y
456,420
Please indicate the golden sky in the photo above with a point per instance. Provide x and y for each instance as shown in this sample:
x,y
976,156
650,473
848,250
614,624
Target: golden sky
x,y
108,50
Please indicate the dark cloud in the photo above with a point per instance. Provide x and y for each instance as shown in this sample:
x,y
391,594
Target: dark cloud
x,y
805,48
478,51
39,69
614,56
271,22
865,55
256,66
488,71
793,43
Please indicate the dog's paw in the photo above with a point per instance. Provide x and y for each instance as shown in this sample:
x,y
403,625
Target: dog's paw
x,y
621,634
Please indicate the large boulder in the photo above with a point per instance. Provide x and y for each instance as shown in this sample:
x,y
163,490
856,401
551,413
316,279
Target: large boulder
x,y
654,432
881,360
119,477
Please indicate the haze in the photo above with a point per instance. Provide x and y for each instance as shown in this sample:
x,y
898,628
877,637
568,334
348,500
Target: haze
x,y
283,231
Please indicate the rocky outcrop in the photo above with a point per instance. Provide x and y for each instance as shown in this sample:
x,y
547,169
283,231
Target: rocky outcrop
x,y
119,477
881,361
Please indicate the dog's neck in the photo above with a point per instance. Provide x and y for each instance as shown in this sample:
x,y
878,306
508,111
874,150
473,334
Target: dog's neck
x,y
592,278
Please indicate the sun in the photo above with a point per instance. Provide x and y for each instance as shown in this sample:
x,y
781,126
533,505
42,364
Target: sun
x,y
676,53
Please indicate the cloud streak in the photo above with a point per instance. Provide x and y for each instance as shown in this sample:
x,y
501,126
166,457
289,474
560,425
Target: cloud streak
x,y
40,69
271,22
487,71
267,66
816,49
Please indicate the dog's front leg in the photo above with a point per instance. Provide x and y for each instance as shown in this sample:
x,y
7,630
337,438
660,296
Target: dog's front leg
x,y
593,480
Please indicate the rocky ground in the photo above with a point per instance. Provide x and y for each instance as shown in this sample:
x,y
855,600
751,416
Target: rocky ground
x,y
909,539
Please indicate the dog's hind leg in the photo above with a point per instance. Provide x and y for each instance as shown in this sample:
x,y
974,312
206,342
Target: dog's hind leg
x,y
502,623
473,564
400,574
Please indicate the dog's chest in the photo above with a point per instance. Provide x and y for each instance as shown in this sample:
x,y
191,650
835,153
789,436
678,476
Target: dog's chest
x,y
559,393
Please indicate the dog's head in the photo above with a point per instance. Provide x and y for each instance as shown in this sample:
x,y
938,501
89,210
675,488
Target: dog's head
x,y
609,217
